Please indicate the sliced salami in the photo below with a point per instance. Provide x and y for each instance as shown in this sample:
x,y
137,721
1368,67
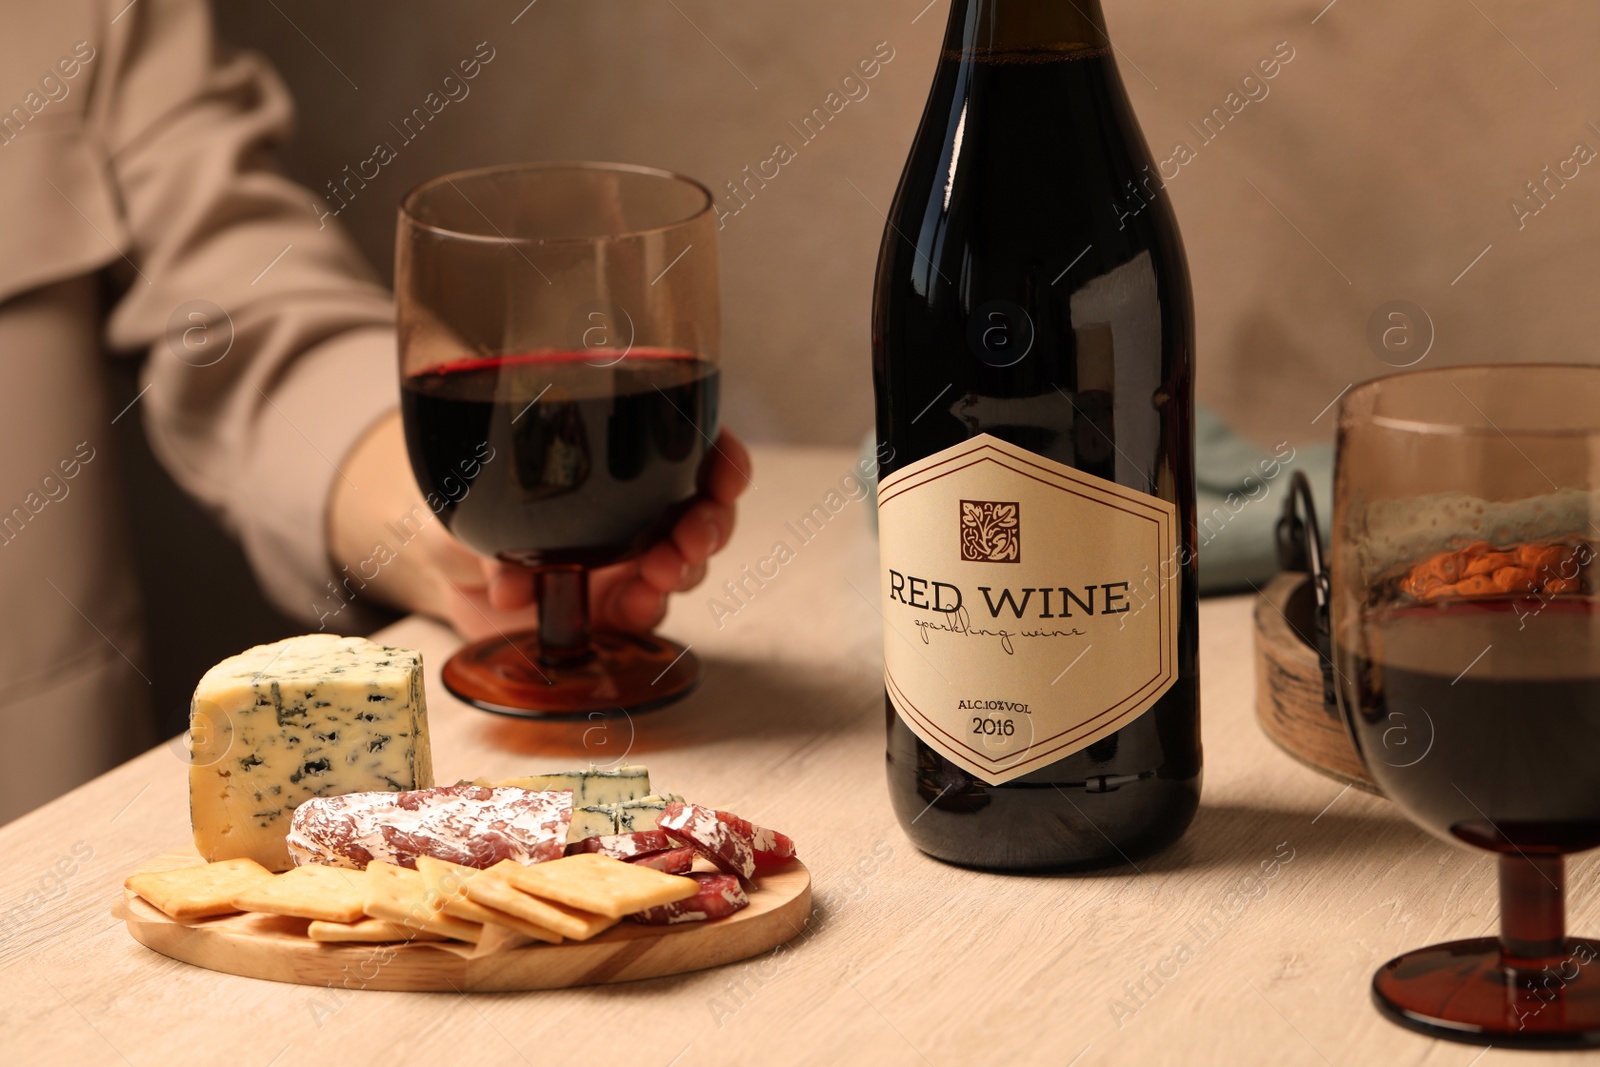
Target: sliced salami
x,y
475,826
773,849
671,860
735,845
623,846
720,896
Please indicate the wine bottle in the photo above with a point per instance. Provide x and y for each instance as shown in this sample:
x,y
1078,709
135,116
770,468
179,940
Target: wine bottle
x,y
1033,367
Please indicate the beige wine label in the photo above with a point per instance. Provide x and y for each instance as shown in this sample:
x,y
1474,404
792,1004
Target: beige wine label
x,y
1030,609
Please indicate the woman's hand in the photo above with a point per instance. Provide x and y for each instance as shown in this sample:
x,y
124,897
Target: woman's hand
x,y
377,503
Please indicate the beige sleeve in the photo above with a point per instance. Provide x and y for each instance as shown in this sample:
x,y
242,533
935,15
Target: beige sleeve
x,y
254,414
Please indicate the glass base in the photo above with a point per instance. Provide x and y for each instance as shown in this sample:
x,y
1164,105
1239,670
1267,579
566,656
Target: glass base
x,y
623,673
1469,991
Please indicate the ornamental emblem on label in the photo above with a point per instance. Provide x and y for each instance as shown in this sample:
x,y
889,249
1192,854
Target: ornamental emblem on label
x,y
1004,661
991,531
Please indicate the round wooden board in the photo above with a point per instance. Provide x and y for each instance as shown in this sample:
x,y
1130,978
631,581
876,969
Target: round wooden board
x,y
1289,703
276,948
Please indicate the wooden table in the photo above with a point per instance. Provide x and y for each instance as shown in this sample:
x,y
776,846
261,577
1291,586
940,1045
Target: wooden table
x,y
906,961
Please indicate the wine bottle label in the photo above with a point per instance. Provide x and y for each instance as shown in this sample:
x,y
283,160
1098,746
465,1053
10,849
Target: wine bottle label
x,y
1031,609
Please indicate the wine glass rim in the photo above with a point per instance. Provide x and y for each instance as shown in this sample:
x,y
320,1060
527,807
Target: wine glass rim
x,y
409,200
1363,391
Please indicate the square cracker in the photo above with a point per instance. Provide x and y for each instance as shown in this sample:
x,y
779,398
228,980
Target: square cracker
x,y
601,884
446,882
498,938
367,930
398,895
315,891
495,892
198,892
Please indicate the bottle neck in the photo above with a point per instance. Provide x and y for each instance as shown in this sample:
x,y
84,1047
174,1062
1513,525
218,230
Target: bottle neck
x,y
1022,28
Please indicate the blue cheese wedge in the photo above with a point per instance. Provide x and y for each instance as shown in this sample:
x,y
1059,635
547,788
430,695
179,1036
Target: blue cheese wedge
x,y
592,822
593,787
602,799
642,814
311,716
625,818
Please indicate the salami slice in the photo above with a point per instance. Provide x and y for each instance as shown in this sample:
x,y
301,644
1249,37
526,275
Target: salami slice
x,y
720,895
475,826
773,849
623,846
670,860
735,845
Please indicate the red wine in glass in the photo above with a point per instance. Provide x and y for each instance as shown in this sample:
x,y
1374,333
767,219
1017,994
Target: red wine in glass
x,y
1500,754
561,458
563,462
559,331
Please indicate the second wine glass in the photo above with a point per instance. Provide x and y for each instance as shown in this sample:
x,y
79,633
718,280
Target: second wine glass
x,y
559,333
1466,635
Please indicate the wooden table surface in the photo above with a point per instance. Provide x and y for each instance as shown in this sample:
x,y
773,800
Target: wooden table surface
x,y
1194,957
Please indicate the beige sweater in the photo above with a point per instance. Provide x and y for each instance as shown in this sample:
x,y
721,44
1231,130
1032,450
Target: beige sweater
x,y
140,217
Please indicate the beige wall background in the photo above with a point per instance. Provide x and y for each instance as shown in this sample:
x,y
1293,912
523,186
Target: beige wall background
x,y
1377,165
703,88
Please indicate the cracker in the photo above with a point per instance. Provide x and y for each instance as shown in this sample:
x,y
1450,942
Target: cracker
x,y
600,884
497,893
443,880
446,883
331,894
367,930
497,938
201,891
397,894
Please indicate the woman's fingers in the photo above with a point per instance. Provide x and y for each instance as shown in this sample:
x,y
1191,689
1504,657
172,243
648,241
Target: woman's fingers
x,y
632,596
691,578
638,605
704,528
468,610
729,475
510,586
453,561
663,566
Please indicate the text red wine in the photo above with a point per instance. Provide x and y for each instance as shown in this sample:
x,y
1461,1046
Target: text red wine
x,y
1024,299
1482,719
561,458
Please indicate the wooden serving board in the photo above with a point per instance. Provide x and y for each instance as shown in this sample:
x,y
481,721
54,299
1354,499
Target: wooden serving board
x,y
276,948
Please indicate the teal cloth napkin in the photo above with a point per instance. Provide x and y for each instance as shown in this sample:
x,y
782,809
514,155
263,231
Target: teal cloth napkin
x,y
1240,489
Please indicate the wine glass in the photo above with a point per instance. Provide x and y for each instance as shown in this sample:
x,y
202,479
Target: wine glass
x,y
1466,639
559,339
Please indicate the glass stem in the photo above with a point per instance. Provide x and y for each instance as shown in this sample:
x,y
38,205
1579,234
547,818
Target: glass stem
x,y
563,598
1533,921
